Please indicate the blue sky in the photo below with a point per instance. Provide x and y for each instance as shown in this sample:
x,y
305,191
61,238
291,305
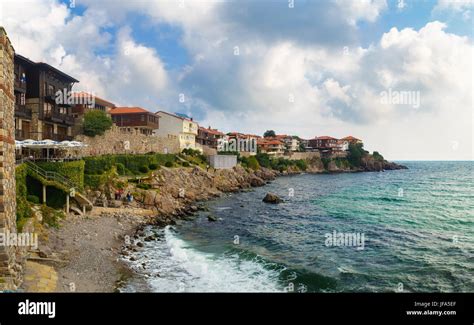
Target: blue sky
x,y
237,63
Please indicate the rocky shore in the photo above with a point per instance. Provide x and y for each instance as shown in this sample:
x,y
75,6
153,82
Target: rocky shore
x,y
94,249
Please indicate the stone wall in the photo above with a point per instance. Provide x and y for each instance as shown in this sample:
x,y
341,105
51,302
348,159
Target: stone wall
x,y
10,265
116,141
294,155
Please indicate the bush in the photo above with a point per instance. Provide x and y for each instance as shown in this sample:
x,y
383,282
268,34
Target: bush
x,y
169,164
185,164
143,169
153,166
33,199
252,162
73,170
301,164
23,209
377,156
120,169
263,160
51,217
96,123
144,186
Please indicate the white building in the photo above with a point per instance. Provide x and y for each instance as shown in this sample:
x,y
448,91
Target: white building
x,y
177,127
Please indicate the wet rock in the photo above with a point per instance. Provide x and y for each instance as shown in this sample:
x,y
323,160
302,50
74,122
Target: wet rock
x,y
272,198
212,218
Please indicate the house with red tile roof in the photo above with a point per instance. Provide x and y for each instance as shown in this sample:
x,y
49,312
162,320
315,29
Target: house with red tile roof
x,y
351,139
271,147
323,143
209,137
135,119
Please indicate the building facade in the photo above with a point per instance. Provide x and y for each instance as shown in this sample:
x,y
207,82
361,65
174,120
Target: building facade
x,y
173,126
272,147
85,102
135,119
43,108
209,137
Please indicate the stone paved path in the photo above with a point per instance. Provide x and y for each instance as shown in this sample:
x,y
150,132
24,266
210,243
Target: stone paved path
x,y
39,278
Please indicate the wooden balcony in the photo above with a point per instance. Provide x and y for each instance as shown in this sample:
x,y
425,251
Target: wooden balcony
x,y
22,134
56,136
22,111
20,86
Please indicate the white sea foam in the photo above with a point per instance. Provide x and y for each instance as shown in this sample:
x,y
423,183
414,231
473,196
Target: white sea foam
x,y
182,268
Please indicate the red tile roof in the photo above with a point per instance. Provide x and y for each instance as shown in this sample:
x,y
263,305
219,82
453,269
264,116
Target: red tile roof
x,y
128,110
211,131
350,138
325,137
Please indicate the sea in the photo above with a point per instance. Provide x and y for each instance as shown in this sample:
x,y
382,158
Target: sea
x,y
394,231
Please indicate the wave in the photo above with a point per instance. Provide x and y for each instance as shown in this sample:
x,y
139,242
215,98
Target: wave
x,y
178,267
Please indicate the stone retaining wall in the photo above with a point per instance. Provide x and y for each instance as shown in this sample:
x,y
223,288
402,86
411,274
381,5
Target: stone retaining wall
x,y
302,155
116,141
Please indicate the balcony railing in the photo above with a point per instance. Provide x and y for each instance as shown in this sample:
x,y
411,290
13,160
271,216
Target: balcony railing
x,y
20,85
56,136
22,134
57,117
22,111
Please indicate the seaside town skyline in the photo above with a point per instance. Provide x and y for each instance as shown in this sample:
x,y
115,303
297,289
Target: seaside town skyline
x,y
298,83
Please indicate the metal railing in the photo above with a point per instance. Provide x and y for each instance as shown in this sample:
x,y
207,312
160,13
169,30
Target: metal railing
x,y
51,176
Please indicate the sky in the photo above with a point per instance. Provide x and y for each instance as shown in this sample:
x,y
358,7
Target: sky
x,y
397,74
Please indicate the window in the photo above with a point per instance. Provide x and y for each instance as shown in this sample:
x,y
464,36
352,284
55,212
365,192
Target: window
x,y
48,108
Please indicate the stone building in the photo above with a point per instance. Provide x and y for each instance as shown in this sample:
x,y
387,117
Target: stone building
x,y
10,265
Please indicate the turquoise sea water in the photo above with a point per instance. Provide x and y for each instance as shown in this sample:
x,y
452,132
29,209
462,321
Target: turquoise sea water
x,y
418,226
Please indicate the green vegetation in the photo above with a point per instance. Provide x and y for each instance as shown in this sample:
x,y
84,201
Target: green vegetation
x,y
33,199
144,186
121,170
252,163
269,133
23,209
73,170
153,166
169,164
377,156
51,217
193,157
342,163
96,123
126,164
326,162
280,164
356,152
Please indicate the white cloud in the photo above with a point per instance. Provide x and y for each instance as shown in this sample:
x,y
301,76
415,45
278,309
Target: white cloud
x,y
293,84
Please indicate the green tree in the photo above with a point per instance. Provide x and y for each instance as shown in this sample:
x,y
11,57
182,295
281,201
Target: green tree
x,y
269,133
356,152
96,123
377,156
